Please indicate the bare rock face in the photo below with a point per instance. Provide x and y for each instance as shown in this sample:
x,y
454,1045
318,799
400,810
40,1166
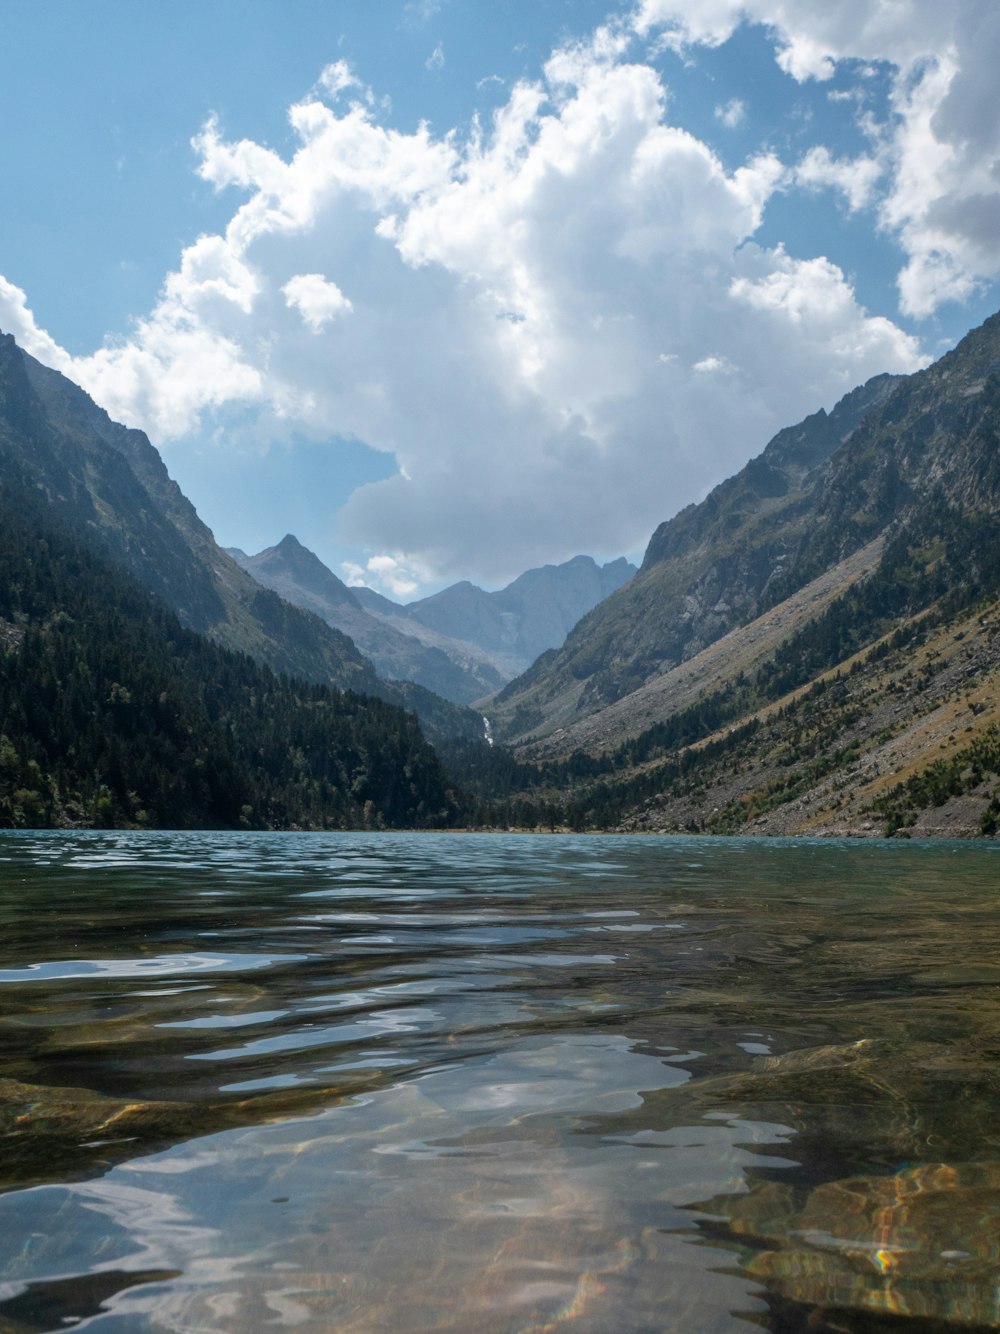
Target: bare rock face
x,y
290,568
531,615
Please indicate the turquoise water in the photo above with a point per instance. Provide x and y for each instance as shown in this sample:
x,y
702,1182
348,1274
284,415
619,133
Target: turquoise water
x,y
486,1083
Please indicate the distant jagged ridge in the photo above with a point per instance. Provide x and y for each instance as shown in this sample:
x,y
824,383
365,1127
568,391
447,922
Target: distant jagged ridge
x,y
531,615
456,671
463,642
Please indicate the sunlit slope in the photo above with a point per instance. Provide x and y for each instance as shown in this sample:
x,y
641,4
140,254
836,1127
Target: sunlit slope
x,y
902,738
896,450
713,566
737,653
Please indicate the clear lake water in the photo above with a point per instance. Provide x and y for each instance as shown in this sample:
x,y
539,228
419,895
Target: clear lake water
x,y
498,1084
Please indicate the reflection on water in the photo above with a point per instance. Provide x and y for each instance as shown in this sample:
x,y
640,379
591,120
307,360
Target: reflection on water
x,y
393,1082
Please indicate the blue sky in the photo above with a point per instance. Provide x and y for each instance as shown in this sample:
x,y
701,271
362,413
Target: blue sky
x,y
450,289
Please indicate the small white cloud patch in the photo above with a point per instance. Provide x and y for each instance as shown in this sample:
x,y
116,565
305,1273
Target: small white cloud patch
x,y
732,114
337,77
856,178
316,299
400,575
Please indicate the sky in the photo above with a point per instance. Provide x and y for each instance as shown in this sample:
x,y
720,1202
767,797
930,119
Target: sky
x,y
454,288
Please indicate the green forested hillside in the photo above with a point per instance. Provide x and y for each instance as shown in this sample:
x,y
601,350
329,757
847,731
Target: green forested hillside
x,y
112,714
108,485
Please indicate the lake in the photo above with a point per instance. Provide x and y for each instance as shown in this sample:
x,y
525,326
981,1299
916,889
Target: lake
x,y
506,1084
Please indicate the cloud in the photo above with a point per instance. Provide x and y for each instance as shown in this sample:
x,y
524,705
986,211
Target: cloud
x,y
422,11
435,60
856,178
398,575
560,327
316,299
17,319
732,114
336,78
938,149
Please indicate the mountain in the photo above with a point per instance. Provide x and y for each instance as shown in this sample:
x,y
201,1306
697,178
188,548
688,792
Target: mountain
x,y
712,567
291,566
463,643
813,648
450,669
547,603
517,623
112,714
110,486
372,601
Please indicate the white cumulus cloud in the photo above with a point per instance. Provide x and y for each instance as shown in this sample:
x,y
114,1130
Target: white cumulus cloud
x,y
316,299
16,318
337,77
856,178
397,574
560,327
939,148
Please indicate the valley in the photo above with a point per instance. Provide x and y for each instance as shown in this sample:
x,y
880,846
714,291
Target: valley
x,y
811,650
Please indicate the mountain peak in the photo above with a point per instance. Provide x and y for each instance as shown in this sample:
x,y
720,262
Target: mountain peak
x,y
290,567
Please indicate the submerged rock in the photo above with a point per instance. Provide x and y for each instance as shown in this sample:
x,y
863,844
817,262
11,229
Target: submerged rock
x,y
37,1110
924,1241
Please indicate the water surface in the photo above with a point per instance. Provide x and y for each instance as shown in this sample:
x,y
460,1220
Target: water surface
x,y
483,1083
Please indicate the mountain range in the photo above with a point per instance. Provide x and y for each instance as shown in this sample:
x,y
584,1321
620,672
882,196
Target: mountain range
x,y
812,649
113,714
463,643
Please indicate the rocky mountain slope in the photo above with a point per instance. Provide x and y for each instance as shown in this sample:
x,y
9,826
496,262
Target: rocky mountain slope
x,y
113,715
110,485
531,615
814,649
464,643
900,739
713,566
454,670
